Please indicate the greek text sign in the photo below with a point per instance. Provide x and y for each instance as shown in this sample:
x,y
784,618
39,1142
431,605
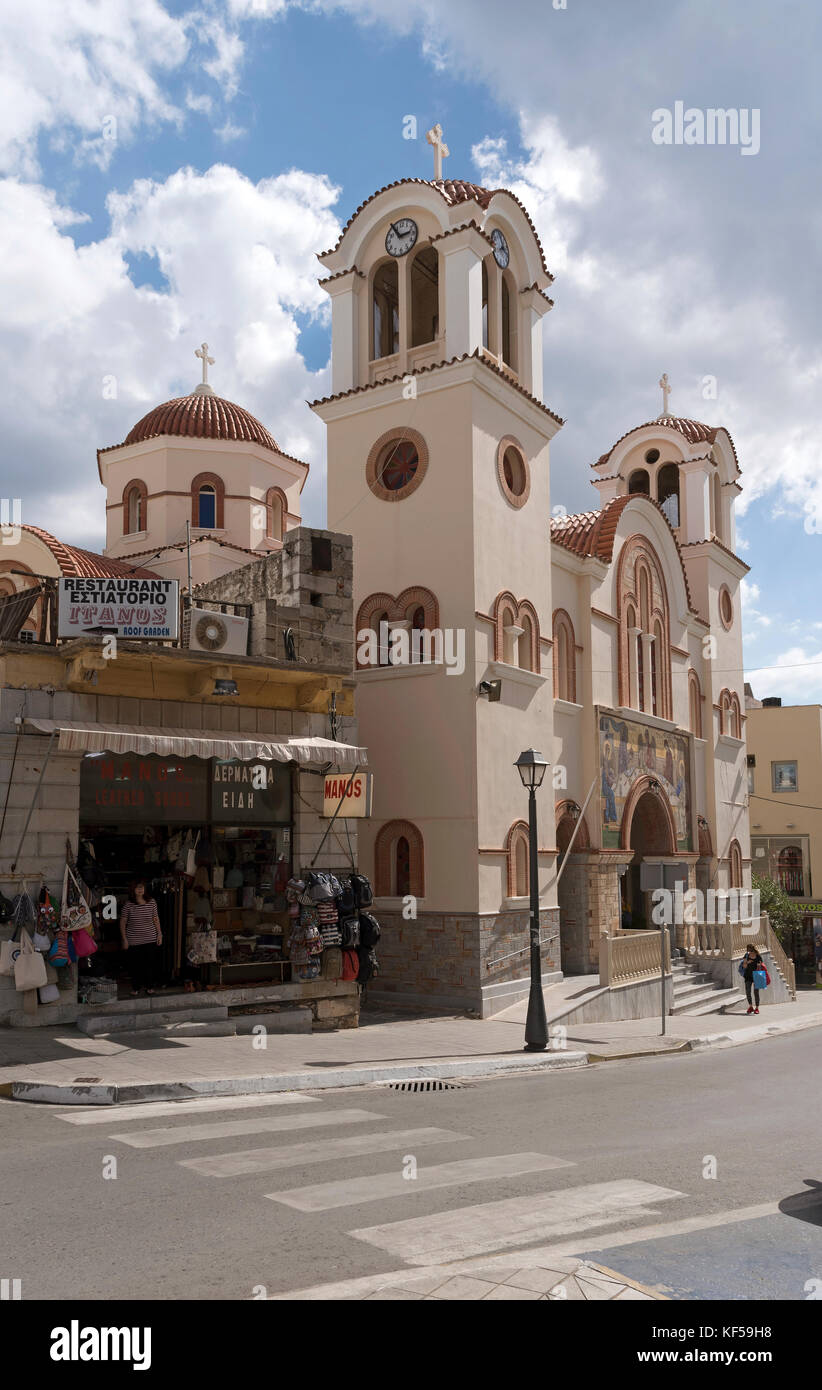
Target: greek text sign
x,y
127,607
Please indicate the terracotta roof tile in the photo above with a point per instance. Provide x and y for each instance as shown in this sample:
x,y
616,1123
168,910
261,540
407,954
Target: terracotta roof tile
x,y
435,366
75,562
199,417
693,430
593,533
454,191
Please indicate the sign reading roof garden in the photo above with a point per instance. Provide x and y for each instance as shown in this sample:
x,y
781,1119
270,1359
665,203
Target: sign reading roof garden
x,y
146,609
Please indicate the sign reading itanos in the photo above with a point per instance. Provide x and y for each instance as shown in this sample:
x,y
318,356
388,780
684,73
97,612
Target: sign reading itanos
x,y
127,607
628,750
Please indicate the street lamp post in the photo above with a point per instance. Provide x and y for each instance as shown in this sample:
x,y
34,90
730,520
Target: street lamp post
x,y
531,767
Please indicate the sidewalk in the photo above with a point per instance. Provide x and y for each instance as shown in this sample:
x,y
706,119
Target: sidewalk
x,y
66,1067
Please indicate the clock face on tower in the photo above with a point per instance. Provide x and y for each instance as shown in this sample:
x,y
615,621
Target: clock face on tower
x,y
401,236
501,253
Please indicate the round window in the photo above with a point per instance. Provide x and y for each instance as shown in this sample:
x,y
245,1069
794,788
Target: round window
x,y
512,471
396,464
726,607
652,456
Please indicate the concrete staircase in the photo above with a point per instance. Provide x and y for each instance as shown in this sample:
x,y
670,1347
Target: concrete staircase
x,y
696,993
188,1016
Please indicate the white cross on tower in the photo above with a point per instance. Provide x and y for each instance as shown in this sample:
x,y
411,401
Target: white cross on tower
x,y
202,351
434,137
666,391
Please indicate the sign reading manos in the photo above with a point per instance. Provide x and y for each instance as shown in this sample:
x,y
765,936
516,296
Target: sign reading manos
x,y
127,607
354,792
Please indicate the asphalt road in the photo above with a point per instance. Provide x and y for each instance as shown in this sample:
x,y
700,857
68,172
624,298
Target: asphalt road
x,y
620,1160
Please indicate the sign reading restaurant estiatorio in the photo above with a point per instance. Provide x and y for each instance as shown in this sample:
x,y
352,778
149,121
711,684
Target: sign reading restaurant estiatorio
x,y
126,607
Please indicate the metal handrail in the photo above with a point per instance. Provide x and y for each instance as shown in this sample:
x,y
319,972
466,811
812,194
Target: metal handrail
x,y
554,936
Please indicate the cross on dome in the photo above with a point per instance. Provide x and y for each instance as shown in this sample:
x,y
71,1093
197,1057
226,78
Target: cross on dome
x,y
666,391
205,388
441,150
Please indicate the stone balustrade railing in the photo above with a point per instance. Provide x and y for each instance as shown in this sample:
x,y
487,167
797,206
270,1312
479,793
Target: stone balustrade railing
x,y
631,956
730,940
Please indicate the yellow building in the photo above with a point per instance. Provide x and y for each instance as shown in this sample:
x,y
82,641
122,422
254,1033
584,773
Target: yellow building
x,y
785,791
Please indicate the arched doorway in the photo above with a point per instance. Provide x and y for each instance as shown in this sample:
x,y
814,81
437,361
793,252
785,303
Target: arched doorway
x,y
571,890
648,830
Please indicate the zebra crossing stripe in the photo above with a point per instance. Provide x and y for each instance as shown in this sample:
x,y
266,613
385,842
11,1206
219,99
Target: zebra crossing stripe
x,y
155,1109
317,1151
513,1222
349,1191
226,1129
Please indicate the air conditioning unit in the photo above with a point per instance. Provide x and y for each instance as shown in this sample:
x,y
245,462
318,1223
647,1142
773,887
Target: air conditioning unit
x,y
220,634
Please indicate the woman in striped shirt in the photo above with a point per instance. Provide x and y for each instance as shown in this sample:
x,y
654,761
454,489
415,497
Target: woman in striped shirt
x,y
141,934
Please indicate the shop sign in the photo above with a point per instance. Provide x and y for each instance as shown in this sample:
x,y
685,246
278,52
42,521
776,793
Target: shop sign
x,y
255,793
150,790
356,793
125,607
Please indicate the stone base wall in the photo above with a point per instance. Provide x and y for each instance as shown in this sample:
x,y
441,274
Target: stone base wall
x,y
589,897
449,960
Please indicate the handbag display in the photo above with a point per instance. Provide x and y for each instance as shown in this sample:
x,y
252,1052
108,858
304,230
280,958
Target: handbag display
x,y
201,948
9,951
77,914
62,949
48,994
29,968
84,943
760,979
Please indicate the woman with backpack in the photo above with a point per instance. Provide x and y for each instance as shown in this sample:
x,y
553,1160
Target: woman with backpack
x,y
751,962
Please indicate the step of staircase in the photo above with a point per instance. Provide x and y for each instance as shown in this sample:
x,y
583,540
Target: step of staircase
x,y
718,1003
148,1021
685,993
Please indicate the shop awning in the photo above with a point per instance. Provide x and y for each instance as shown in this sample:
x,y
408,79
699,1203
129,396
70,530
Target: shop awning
x,y
81,736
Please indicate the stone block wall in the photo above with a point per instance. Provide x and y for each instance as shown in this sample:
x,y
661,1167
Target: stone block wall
x,y
589,897
307,587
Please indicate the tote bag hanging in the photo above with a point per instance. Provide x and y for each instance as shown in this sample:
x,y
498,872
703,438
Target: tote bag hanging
x,y
30,968
9,951
73,914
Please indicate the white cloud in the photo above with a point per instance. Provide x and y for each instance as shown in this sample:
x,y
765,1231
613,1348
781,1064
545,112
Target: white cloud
x,y
239,261
795,674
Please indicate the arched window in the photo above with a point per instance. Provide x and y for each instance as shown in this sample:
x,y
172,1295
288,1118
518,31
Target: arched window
x,y
667,492
517,860
736,716
135,506
208,502
386,311
640,483
789,870
644,630
275,512
399,861
565,676
509,322
516,632
694,705
484,305
425,296
207,506
735,865
730,714
719,530
416,609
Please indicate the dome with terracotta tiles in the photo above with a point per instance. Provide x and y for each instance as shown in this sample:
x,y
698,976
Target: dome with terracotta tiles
x,y
202,415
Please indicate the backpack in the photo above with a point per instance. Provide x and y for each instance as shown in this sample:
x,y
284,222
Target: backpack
x,y
346,902
322,886
350,965
369,930
362,890
350,932
369,966
332,963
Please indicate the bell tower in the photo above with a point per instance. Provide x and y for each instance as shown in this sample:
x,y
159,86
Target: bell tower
x,y
438,445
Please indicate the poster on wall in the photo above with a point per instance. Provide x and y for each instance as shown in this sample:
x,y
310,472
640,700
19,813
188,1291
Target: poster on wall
x,y
629,750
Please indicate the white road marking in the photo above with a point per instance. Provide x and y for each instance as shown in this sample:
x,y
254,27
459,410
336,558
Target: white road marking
x,y
480,1230
155,1109
226,1129
349,1191
317,1151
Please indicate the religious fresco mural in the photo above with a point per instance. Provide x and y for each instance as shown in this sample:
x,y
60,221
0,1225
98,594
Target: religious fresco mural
x,y
628,750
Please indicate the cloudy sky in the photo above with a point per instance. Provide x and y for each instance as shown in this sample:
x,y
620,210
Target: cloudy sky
x,y
170,170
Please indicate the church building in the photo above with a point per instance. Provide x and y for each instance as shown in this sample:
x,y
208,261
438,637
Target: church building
x,y
609,640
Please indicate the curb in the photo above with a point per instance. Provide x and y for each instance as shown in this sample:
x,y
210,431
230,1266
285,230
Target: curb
x,y
713,1041
49,1093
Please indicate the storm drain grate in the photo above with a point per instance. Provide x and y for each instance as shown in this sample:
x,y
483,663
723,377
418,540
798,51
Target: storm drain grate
x,y
424,1086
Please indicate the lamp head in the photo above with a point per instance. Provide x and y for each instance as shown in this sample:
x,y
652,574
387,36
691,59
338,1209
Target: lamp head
x,y
531,767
